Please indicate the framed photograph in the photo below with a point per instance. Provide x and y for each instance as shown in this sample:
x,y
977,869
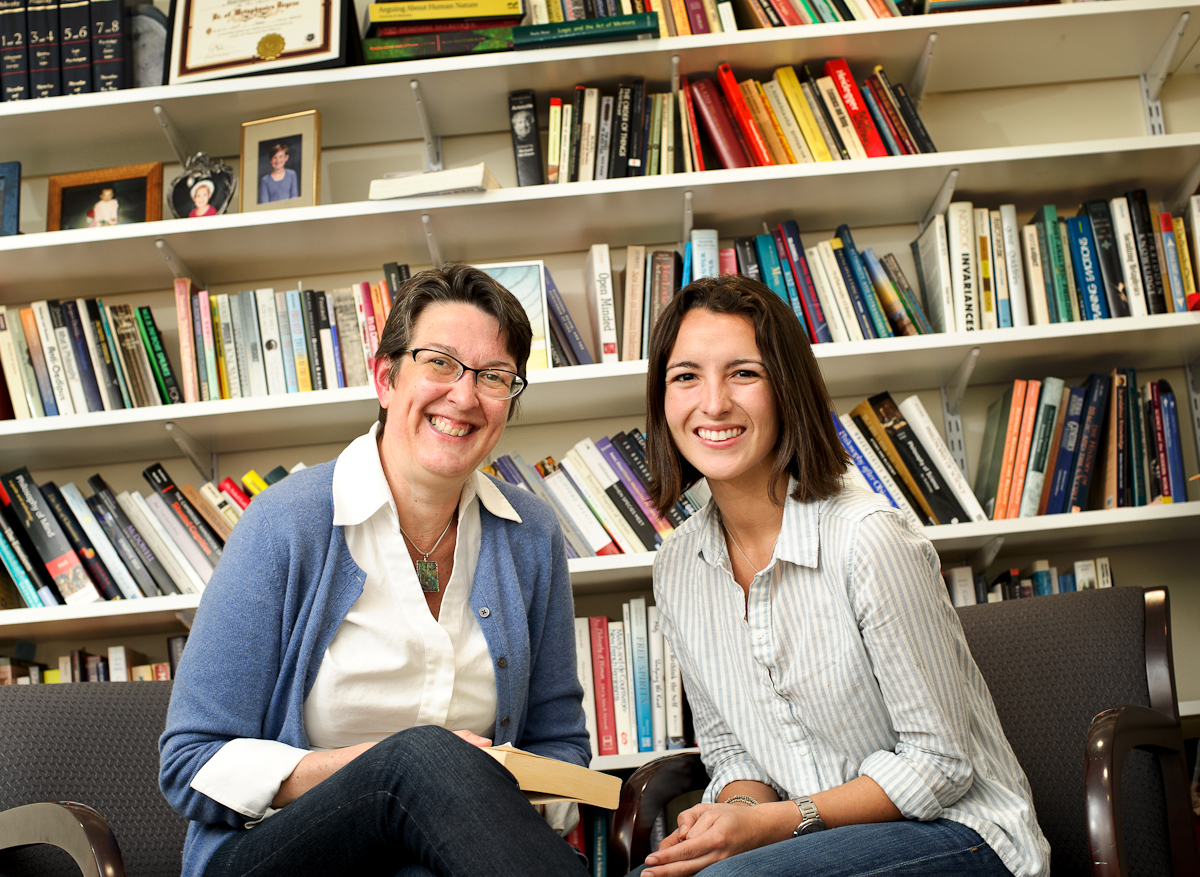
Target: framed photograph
x,y
112,196
527,281
212,39
205,188
10,197
281,162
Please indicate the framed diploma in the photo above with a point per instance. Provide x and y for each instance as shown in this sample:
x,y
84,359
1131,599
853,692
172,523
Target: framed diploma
x,y
213,39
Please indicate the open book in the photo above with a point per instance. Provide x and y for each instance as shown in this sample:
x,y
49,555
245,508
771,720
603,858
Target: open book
x,y
547,779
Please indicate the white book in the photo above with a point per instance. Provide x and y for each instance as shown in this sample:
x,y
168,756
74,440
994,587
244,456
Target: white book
x,y
961,582
16,334
1054,580
587,135
856,478
189,554
104,548
89,337
704,253
538,485
12,368
597,281
728,18
328,357
1085,575
928,436
787,121
604,137
1017,300
841,119
539,12
573,503
674,684
153,535
1104,577
231,510
121,661
964,270
1035,278
931,250
666,164
833,315
1000,271
473,178
658,683
54,360
881,472
564,147
841,295
583,667
635,297
593,493
268,328
627,630
985,279
1049,399
251,339
1191,219
229,346
1127,248
622,701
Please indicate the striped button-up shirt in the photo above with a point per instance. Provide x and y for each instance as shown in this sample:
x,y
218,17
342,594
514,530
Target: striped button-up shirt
x,y
845,660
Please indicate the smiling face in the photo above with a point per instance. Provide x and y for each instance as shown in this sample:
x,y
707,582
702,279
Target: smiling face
x,y
279,159
435,434
200,196
719,405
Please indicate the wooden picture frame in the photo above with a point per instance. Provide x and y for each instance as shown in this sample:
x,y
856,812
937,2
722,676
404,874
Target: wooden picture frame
x,y
136,188
294,139
10,197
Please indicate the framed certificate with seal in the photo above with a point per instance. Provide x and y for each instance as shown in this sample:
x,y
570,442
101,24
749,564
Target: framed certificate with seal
x,y
213,39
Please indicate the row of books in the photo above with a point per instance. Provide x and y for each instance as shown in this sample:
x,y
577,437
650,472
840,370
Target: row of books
x,y
790,119
54,47
119,664
632,687
1115,258
58,546
1049,448
1040,580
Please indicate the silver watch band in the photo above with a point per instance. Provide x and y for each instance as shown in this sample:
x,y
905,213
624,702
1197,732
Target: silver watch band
x,y
810,819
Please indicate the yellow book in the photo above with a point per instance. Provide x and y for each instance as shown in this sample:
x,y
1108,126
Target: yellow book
x,y
773,123
51,677
142,673
254,483
435,10
1185,258
680,16
788,81
554,11
656,6
219,347
758,113
547,779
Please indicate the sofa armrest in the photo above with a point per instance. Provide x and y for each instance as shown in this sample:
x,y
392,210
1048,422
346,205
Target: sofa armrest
x,y
643,797
75,828
1111,737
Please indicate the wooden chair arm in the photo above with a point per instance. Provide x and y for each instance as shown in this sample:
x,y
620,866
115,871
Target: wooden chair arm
x,y
1111,737
75,828
643,797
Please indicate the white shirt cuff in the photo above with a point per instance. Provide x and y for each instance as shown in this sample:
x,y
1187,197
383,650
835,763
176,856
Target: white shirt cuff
x,y
902,784
245,774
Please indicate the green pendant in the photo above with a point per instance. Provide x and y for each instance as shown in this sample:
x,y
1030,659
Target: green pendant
x,y
427,575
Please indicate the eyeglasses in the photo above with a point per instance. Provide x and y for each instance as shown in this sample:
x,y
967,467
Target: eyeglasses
x,y
440,367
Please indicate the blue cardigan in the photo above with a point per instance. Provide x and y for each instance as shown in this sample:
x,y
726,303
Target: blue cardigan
x,y
278,596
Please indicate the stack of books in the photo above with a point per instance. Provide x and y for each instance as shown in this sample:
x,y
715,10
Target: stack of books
x,y
120,664
1039,580
49,48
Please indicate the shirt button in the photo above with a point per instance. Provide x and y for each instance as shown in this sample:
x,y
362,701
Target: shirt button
x,y
504,722
761,637
484,612
802,750
503,662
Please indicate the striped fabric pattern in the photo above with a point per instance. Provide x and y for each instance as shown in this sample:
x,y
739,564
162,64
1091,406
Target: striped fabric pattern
x,y
847,659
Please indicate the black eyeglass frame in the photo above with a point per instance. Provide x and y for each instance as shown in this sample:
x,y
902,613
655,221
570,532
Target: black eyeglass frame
x,y
518,381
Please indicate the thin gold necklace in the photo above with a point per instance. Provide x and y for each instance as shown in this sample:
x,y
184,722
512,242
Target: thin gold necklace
x,y
729,532
427,570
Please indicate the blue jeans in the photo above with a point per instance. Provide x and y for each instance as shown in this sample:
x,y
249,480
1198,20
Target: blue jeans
x,y
421,802
895,849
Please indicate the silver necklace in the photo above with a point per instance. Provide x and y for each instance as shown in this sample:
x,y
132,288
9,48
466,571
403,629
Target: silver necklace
x,y
739,548
427,570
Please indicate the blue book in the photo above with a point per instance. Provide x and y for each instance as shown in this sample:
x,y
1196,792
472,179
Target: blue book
x,y
640,641
818,328
865,287
599,842
1091,424
856,299
646,302
1170,416
1093,298
1137,440
772,271
337,350
295,309
881,123
24,585
1067,446
789,280
1171,257
83,357
1041,583
559,308
861,462
685,276
1066,582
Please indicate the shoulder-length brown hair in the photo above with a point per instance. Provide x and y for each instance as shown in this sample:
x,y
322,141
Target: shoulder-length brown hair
x,y
808,448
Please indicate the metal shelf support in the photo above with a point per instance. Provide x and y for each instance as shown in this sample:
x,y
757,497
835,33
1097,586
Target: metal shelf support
x,y
178,144
1152,80
942,200
435,254
202,458
179,268
952,394
922,73
433,145
688,216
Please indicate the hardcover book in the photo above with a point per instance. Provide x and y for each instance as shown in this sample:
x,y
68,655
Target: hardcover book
x,y
526,139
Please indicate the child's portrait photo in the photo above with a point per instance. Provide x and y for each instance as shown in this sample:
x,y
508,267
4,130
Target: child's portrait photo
x,y
104,198
279,163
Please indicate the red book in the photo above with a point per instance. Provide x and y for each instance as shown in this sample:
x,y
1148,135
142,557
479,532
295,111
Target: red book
x,y
690,107
718,123
697,18
741,115
872,85
606,725
1154,414
575,838
860,116
400,30
727,261
239,496
786,12
887,103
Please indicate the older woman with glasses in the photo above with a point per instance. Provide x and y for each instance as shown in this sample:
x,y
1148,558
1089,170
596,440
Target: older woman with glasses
x,y
377,619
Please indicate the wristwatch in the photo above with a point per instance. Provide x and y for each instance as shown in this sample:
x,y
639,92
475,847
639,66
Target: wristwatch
x,y
810,819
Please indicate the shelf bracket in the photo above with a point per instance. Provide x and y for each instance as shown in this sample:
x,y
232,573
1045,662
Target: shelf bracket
x,y
675,79
179,268
1152,80
1179,201
983,558
1191,376
688,217
917,88
435,255
952,394
433,145
942,200
172,134
194,451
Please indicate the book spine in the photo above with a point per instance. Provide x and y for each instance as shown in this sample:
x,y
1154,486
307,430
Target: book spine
x,y
101,354
166,584
65,342
45,61
916,459
911,118
295,310
108,45
788,278
108,559
889,298
1127,247
719,124
619,494
75,46
839,71
598,283
1173,447
741,115
960,229
1137,441
1040,448
202,385
14,51
526,139
604,138
53,356
623,704
634,487
909,298
12,371
25,585
312,333
1108,256
1116,482
931,253
872,429
658,689
1143,230
846,272
583,669
860,463
74,326
1087,276
639,636
197,528
1089,441
187,349
883,471
593,491
330,351
1067,446
846,307
989,306
30,363
249,344
603,686
172,540
1178,300
125,550
160,360
931,440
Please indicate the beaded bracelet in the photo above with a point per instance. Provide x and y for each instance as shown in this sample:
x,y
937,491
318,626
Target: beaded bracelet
x,y
741,799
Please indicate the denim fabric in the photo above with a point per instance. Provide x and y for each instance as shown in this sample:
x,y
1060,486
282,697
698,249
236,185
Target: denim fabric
x,y
897,849
421,802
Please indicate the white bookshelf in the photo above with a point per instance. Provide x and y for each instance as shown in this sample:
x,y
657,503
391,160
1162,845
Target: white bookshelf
x,y
634,759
